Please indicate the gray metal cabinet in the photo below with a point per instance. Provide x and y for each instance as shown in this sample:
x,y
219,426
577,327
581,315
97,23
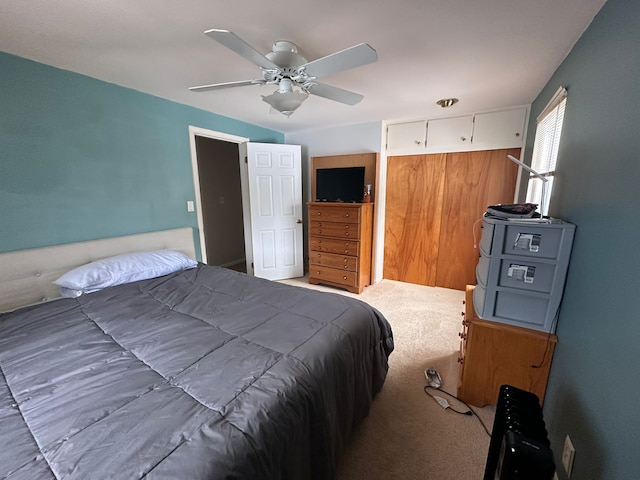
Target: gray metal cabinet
x,y
521,271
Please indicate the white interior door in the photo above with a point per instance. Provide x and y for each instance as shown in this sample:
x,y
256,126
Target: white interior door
x,y
275,193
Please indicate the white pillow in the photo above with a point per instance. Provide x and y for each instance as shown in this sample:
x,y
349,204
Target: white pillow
x,y
125,268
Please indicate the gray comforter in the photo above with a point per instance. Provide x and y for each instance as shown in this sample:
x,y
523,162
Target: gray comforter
x,y
204,374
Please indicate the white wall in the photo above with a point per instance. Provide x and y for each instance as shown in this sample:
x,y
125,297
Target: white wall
x,y
360,138
343,140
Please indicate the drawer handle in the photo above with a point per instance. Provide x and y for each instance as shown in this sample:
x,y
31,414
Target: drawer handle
x,y
319,255
344,278
319,213
346,260
347,227
346,266
318,272
346,214
347,234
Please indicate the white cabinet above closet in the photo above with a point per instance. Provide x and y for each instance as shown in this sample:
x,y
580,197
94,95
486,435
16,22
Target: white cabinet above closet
x,y
410,135
481,131
449,134
505,128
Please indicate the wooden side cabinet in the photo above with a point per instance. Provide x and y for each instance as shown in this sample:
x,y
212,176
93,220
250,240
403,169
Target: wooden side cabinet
x,y
340,238
493,354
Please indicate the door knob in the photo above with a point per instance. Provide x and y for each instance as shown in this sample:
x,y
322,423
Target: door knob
x,y
298,221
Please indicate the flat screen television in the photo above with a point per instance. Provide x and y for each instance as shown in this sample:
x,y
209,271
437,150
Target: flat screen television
x,y
340,184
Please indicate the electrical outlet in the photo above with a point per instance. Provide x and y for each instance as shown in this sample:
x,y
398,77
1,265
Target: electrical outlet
x,y
568,452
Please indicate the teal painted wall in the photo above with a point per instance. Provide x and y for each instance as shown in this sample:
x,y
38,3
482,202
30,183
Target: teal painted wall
x,y
82,159
594,387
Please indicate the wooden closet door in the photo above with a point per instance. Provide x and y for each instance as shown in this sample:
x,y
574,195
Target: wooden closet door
x,y
415,187
474,180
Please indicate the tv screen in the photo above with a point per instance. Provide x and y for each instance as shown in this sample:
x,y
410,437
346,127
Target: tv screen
x,y
340,184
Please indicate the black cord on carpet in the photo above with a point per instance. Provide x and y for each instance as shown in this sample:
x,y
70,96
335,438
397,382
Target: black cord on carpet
x,y
470,410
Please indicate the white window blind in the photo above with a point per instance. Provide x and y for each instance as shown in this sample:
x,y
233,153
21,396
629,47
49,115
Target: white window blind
x,y
545,150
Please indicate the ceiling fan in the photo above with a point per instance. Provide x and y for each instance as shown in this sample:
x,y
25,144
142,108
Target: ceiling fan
x,y
285,67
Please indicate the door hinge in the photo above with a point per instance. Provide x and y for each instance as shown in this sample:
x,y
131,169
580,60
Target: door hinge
x,y
251,265
246,160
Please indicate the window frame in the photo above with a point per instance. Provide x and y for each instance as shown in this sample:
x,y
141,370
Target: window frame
x,y
544,159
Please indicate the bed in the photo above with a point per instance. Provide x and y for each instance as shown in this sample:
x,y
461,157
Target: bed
x,y
204,373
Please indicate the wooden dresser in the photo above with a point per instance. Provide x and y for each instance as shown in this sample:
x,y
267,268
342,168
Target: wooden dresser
x,y
493,354
340,238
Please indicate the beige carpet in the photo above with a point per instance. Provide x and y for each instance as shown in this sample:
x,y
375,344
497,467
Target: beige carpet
x,y
407,435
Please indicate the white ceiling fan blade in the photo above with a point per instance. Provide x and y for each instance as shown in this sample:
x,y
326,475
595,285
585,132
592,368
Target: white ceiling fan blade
x,y
218,86
343,60
334,93
242,48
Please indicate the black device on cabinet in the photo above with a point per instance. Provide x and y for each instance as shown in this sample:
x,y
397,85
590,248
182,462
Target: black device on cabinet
x,y
340,184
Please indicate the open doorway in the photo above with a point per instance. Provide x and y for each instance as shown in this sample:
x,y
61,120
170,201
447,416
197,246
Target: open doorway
x,y
221,197
216,163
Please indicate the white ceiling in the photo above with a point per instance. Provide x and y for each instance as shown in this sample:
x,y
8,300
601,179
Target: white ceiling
x,y
488,53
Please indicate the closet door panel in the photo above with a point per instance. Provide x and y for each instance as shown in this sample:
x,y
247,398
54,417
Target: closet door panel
x,y
474,180
415,187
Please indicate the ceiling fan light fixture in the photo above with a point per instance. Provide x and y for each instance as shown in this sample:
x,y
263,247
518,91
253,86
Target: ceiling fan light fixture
x,y
285,102
447,102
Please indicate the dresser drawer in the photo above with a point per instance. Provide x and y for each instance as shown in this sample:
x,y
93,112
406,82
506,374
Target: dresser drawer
x,y
333,229
333,275
335,214
342,262
334,245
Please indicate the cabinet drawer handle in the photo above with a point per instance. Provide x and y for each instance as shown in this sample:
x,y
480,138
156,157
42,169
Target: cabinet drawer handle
x,y
346,266
346,260
346,214
344,278
319,213
347,234
347,227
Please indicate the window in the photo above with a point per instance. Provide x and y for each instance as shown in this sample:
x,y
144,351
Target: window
x,y
545,150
